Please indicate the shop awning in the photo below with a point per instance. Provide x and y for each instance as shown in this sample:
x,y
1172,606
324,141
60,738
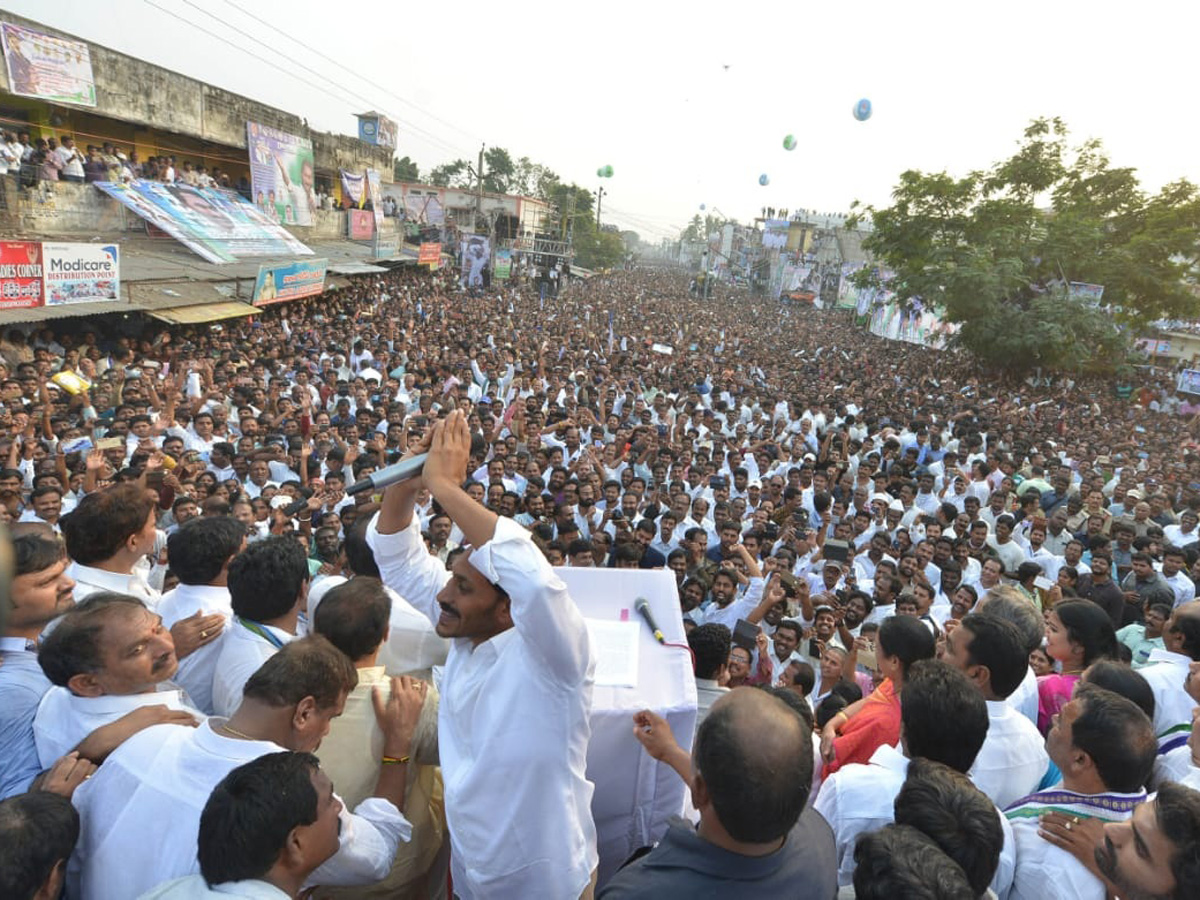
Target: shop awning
x,y
355,268
204,312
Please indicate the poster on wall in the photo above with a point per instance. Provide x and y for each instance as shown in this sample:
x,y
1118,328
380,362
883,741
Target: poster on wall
x,y
80,273
354,188
20,274
276,284
361,223
281,174
375,195
476,252
424,206
49,67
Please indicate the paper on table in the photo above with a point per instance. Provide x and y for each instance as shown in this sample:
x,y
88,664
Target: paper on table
x,y
616,647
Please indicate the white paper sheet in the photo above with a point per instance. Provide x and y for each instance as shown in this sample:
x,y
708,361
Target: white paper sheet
x,y
616,648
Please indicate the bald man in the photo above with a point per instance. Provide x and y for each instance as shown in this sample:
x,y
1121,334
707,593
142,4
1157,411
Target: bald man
x,y
750,773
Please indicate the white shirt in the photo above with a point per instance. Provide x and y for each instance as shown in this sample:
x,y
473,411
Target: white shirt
x,y
1025,698
242,652
1166,673
198,668
140,815
90,580
63,719
860,798
513,723
1047,872
1184,588
194,887
1012,760
738,608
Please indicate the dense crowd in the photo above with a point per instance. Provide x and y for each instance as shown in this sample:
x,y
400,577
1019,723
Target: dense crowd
x,y
870,540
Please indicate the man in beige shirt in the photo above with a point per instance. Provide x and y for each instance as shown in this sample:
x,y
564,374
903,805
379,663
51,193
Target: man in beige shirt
x,y
354,617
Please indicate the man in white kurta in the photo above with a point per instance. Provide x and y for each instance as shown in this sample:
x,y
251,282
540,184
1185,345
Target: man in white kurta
x,y
513,724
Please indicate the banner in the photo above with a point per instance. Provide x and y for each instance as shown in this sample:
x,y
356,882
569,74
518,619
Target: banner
x,y
20,274
49,67
503,264
220,226
361,224
476,251
375,195
80,273
915,324
1189,381
353,188
424,205
775,234
430,255
303,278
281,174
1081,290
1153,346
378,130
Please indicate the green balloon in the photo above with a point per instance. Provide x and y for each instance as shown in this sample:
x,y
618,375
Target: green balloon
x,y
608,171
600,172
789,142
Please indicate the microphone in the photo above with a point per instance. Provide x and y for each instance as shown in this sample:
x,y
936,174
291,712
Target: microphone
x,y
393,474
643,609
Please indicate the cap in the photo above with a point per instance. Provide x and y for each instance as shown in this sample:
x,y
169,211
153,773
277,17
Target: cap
x,y
896,506
833,563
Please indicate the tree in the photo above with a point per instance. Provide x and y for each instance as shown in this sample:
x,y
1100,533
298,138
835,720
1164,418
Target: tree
x,y
532,179
405,169
498,168
695,229
453,174
997,249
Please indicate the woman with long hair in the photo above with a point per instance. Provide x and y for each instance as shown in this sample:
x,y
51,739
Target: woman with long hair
x,y
854,734
1078,632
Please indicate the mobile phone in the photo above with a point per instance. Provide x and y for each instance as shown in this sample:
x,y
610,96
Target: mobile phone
x,y
814,649
745,634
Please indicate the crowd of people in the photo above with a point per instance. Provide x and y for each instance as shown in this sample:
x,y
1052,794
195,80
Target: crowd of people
x,y
943,621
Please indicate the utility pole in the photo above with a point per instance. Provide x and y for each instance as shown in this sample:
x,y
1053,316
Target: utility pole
x,y
599,198
479,189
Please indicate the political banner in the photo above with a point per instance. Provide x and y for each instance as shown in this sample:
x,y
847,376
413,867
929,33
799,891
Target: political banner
x,y
775,234
375,195
476,251
302,278
503,267
1081,290
424,205
80,273
52,68
20,274
1189,381
218,225
281,174
361,223
378,130
429,255
1153,346
353,188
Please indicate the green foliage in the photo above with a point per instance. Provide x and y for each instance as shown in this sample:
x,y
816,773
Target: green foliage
x,y
995,248
498,170
695,229
598,249
405,169
451,174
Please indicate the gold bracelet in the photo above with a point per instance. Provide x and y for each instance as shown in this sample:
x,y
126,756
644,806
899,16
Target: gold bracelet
x,y
394,760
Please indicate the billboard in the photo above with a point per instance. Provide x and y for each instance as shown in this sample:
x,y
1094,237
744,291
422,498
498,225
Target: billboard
x,y
775,234
424,205
302,278
476,251
20,274
353,188
80,273
281,174
361,223
429,255
218,225
378,130
503,264
49,67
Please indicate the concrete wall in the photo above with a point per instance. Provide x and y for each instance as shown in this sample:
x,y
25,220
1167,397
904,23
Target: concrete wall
x,y
132,90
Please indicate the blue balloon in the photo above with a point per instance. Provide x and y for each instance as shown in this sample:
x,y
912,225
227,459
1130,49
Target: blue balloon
x,y
862,109
702,207
764,180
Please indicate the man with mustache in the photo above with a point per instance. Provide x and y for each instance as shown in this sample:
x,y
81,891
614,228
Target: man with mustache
x,y
513,724
108,656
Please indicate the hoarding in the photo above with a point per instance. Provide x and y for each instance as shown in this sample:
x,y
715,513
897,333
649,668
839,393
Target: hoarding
x,y
302,278
52,68
20,274
281,174
80,273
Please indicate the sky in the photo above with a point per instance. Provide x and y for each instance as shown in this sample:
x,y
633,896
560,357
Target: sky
x,y
690,103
